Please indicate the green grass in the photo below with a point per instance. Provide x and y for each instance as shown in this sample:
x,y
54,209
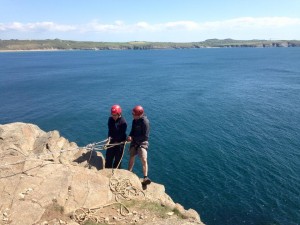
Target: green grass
x,y
154,207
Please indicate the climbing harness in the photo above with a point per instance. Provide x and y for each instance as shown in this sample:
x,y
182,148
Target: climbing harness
x,y
102,145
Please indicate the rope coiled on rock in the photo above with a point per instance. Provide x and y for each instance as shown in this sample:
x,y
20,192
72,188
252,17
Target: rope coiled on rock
x,y
122,188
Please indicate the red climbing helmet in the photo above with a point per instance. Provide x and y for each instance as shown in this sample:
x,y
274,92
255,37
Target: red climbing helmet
x,y
138,110
116,109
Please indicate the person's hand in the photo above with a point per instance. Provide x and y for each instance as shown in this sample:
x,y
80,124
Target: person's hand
x,y
129,138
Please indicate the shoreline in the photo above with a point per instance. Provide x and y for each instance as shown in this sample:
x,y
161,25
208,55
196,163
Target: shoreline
x,y
121,49
65,45
37,50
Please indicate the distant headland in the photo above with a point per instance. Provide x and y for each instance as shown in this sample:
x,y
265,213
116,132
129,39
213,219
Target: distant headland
x,y
57,44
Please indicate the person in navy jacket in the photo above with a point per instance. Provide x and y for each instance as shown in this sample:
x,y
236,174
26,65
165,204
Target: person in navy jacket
x,y
116,133
138,137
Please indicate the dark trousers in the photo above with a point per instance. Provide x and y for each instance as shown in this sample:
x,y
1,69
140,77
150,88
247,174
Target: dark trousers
x,y
113,156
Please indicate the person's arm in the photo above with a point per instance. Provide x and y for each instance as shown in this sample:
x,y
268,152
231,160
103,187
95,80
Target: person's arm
x,y
129,138
146,129
109,128
132,128
123,128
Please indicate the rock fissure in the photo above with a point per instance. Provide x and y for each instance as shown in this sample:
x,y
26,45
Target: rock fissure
x,y
70,192
87,193
4,192
17,150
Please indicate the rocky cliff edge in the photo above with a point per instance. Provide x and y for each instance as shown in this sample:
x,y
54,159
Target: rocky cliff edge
x,y
45,179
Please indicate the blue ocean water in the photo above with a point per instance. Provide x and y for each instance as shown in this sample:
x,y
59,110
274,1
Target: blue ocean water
x,y
225,123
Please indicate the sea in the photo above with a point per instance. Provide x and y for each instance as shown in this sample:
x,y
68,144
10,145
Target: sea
x,y
225,122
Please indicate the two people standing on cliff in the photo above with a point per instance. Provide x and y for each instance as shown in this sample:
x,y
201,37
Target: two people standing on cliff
x,y
139,136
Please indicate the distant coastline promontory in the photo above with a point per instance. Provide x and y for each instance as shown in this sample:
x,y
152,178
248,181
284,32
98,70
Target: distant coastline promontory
x,y
57,44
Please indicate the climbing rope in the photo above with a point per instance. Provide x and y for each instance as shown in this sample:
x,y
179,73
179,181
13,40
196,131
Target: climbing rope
x,y
84,214
97,146
122,188
105,146
36,156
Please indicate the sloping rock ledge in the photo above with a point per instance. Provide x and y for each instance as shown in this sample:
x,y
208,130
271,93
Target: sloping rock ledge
x,y
45,179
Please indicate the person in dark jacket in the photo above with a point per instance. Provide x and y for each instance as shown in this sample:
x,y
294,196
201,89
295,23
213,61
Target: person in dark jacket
x,y
116,133
138,137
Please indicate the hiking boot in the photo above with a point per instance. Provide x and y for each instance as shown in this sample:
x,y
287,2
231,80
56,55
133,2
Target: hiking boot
x,y
146,181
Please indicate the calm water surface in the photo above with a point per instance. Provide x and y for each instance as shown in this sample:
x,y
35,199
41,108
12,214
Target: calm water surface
x,y
225,123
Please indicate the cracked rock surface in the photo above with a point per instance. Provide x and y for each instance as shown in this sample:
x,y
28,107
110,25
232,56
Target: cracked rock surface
x,y
44,178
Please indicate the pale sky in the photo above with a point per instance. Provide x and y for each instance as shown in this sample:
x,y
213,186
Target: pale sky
x,y
156,20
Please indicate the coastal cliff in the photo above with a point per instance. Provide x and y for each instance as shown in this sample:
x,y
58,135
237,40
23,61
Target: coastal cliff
x,y
57,44
45,179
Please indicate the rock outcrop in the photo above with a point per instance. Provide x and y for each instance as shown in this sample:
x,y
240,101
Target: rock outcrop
x,y
45,179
